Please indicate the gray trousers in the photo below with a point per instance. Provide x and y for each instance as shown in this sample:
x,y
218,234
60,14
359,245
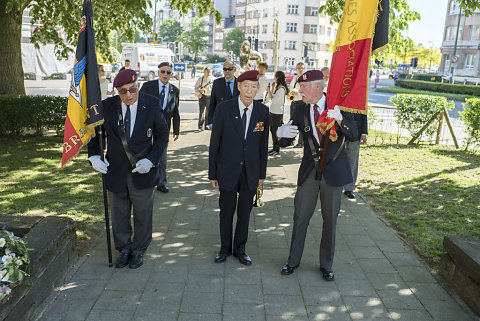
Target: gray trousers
x,y
293,106
162,169
353,150
305,202
203,104
121,204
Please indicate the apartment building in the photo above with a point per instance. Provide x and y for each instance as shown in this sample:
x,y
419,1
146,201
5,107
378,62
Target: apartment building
x,y
468,44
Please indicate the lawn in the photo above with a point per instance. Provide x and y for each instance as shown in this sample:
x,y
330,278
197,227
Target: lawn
x,y
425,191
400,90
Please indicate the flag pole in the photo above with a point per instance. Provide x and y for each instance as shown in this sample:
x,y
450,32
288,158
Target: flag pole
x,y
105,200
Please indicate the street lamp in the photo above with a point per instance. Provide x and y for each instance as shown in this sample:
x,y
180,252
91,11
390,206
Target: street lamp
x,y
455,46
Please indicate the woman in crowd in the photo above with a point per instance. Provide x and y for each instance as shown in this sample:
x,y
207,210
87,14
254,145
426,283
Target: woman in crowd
x,y
277,96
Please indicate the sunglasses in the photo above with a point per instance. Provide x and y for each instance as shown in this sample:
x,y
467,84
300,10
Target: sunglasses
x,y
228,69
123,91
165,72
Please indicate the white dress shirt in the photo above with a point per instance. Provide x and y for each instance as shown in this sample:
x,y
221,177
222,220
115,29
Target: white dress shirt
x,y
241,107
133,114
160,88
263,83
321,107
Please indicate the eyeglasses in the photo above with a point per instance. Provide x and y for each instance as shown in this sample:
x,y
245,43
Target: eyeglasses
x,y
123,91
228,69
165,72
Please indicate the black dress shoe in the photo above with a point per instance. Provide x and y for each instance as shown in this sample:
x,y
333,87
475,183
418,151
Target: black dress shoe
x,y
349,194
123,260
163,188
244,258
299,145
327,275
287,269
136,260
219,258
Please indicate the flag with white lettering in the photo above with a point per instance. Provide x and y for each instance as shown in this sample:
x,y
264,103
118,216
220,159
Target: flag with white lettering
x,y
84,101
363,30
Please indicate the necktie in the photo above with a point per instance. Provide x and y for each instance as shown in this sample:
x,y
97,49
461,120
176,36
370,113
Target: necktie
x,y
244,119
128,117
229,87
316,116
162,96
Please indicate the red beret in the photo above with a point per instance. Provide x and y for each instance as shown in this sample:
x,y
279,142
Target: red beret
x,y
165,64
310,75
126,76
248,75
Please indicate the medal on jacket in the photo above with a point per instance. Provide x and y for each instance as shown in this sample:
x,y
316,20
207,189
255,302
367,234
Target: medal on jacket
x,y
149,133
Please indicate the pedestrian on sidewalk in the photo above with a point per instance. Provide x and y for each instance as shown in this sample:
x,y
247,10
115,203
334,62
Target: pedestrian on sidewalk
x,y
203,90
137,136
223,89
353,151
193,70
238,163
312,180
126,65
277,96
297,98
168,95
104,92
326,75
263,82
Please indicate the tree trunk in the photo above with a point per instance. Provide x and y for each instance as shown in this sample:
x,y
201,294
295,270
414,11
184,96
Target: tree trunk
x,y
11,67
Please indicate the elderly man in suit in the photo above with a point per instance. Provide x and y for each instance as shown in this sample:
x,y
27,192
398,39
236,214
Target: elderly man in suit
x,y
313,180
137,135
168,96
238,162
223,89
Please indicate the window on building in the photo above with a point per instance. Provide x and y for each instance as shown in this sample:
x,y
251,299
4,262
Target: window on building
x,y
240,11
290,44
265,12
325,63
470,61
312,46
311,63
263,45
313,29
239,23
454,8
291,27
314,11
264,28
292,9
241,1
329,31
289,62
275,12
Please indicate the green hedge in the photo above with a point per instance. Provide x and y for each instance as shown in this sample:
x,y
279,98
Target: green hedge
x,y
471,117
439,87
427,77
38,113
414,111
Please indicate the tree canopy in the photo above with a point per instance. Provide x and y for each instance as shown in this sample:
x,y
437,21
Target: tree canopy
x,y
195,39
233,41
170,30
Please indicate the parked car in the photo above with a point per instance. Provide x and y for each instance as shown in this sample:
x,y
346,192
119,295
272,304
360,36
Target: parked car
x,y
217,70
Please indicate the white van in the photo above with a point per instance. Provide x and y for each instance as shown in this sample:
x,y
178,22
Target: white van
x,y
144,58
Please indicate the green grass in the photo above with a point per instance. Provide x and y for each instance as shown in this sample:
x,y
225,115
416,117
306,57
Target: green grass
x,y
427,192
400,90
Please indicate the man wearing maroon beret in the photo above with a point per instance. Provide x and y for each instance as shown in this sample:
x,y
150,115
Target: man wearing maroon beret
x,y
238,162
312,180
168,96
137,135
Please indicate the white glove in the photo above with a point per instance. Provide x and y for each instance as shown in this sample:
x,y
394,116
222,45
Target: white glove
x,y
143,166
335,113
288,130
98,164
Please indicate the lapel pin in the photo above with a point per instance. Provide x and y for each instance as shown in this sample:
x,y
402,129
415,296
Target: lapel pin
x,y
149,133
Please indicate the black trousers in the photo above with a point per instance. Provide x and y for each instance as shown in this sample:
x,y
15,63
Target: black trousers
x,y
241,200
276,120
293,105
203,104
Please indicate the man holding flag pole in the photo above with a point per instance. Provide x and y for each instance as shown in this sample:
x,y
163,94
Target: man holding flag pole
x,y
325,167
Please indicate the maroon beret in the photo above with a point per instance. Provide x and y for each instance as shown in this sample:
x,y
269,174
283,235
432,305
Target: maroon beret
x,y
310,75
165,64
248,75
126,76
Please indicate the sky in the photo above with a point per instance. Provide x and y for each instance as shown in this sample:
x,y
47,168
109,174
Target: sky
x,y
431,25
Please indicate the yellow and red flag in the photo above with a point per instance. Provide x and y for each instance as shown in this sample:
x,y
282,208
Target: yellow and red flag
x,y
363,31
84,101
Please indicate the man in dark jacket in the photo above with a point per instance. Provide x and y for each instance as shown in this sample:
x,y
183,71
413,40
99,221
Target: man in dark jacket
x,y
136,137
312,180
238,162
168,96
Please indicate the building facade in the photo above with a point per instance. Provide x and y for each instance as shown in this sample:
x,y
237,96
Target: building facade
x,y
468,44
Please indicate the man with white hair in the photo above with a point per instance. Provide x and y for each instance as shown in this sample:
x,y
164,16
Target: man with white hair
x,y
312,179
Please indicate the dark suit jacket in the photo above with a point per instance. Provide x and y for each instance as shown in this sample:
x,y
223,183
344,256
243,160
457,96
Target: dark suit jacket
x,y
220,93
337,173
229,151
148,122
362,124
171,110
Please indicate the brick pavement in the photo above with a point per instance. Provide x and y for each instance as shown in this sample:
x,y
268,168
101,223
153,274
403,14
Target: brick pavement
x,y
377,277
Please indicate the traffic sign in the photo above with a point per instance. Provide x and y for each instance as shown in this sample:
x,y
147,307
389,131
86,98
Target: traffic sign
x,y
179,67
454,59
